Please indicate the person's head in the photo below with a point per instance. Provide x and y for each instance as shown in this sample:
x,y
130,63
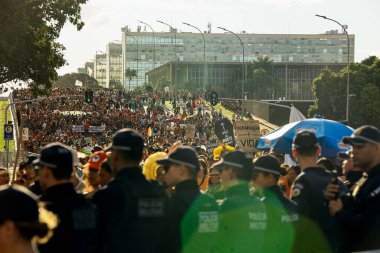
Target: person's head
x,y
365,147
305,147
127,149
31,173
235,167
105,173
92,167
4,177
326,164
150,165
20,219
292,173
267,171
181,165
55,165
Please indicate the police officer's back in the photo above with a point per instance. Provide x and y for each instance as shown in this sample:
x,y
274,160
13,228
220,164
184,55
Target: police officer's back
x,y
282,213
192,223
77,228
132,209
320,232
243,218
359,213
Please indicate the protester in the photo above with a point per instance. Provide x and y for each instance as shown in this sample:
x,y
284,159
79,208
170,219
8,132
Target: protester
x,y
132,209
20,225
192,223
308,192
359,213
77,229
214,185
105,174
91,169
352,173
243,218
282,213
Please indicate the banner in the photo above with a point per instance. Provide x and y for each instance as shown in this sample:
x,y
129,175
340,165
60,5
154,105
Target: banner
x,y
248,133
190,131
92,129
224,130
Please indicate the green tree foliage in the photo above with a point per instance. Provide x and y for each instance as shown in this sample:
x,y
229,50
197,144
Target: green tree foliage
x,y
130,74
115,85
330,90
261,76
28,33
68,81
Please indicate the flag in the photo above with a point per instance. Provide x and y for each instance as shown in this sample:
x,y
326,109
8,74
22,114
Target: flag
x,y
295,115
149,132
78,83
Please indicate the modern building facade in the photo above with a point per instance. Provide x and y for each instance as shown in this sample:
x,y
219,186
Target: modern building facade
x,y
114,67
289,81
100,68
89,66
143,52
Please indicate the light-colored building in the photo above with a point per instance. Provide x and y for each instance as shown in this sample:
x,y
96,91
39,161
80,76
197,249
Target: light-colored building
x,y
143,52
114,61
100,68
82,71
89,66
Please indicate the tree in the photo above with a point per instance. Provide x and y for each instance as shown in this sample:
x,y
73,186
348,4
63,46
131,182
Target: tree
x,y
68,81
262,75
28,33
115,85
330,90
130,74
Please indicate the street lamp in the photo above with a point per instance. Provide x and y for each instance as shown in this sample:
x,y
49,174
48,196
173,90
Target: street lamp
x,y
175,48
137,60
154,43
344,27
204,55
242,46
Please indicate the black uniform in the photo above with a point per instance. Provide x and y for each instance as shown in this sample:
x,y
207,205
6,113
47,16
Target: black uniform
x,y
282,220
319,230
132,211
77,228
360,217
192,220
243,221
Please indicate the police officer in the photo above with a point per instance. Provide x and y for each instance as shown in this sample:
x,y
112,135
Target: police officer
x,y
243,218
77,228
132,209
32,176
359,213
192,223
308,192
282,212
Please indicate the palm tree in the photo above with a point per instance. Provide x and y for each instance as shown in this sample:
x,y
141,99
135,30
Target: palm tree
x,y
262,73
130,74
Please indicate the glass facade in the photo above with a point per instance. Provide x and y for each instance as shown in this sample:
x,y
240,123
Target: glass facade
x,y
100,66
143,52
114,72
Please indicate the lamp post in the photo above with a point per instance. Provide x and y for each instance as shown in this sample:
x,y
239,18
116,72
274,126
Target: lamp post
x,y
243,69
175,49
154,43
137,60
204,55
344,27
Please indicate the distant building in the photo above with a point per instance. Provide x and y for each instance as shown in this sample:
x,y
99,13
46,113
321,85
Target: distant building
x,y
114,64
290,81
143,52
100,68
89,66
82,71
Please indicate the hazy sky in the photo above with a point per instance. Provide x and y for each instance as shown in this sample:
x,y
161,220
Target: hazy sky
x,y
104,19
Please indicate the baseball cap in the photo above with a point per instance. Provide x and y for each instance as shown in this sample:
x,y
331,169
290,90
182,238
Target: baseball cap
x,y
362,135
184,155
12,198
236,159
126,139
96,159
55,156
29,159
268,163
305,139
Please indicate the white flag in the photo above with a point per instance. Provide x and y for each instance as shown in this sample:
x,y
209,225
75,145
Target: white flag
x,y
295,115
78,83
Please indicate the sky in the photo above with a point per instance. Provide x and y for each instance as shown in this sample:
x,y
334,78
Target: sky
x,y
104,19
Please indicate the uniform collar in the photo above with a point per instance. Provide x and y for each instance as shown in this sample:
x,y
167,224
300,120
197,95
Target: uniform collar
x,y
187,185
374,171
129,172
273,189
240,189
58,191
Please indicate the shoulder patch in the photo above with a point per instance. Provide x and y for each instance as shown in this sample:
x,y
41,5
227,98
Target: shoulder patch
x,y
296,192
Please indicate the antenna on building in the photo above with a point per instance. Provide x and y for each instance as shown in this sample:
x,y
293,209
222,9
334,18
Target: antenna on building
x,y
209,27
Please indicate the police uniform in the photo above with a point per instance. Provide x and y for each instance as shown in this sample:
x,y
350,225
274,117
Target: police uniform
x,y
282,218
132,209
360,216
243,217
192,222
77,230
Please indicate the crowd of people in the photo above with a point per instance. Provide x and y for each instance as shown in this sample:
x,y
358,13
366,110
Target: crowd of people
x,y
166,192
